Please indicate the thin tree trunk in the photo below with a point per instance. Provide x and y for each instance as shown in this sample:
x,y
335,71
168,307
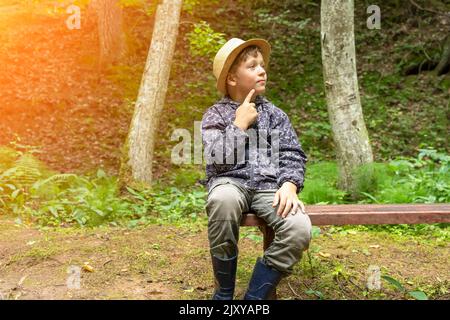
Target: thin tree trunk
x,y
152,93
112,45
341,86
444,63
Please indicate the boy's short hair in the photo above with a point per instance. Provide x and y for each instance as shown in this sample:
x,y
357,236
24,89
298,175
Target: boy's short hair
x,y
243,56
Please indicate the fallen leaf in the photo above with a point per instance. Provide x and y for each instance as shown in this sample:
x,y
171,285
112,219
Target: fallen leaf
x,y
87,267
325,255
155,292
22,280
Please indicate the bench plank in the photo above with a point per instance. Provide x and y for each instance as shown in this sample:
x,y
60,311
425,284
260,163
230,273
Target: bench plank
x,y
354,214
358,214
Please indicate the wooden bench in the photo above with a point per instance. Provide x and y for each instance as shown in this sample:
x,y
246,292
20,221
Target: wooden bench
x,y
359,214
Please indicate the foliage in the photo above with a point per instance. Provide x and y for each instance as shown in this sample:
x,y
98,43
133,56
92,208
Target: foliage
x,y
320,184
424,179
172,204
418,295
76,199
29,190
146,7
204,41
190,5
417,54
18,170
32,192
127,78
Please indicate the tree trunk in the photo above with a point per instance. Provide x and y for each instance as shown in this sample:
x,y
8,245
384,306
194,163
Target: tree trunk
x,y
152,93
445,58
112,45
341,87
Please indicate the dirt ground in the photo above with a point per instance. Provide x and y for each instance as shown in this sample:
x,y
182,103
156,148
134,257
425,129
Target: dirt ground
x,y
168,262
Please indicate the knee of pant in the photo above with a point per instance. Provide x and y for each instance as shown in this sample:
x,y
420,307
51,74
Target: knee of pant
x,y
298,231
225,250
224,206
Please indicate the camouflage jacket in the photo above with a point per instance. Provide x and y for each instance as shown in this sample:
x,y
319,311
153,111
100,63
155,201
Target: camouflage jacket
x,y
263,157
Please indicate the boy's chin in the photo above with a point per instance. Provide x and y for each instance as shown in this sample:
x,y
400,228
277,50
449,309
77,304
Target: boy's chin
x,y
260,90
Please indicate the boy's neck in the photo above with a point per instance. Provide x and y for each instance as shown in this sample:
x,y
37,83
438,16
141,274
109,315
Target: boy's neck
x,y
240,97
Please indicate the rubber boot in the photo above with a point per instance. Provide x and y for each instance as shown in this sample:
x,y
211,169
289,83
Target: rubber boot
x,y
225,277
263,282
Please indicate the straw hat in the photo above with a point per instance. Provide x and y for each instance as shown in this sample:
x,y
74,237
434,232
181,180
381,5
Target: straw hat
x,y
229,51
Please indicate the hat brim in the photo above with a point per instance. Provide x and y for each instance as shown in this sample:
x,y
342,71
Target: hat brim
x,y
261,43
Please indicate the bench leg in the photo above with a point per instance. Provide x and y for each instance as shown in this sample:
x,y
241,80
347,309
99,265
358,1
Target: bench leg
x,y
268,236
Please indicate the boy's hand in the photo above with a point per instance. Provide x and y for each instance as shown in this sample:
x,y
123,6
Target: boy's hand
x,y
246,113
289,202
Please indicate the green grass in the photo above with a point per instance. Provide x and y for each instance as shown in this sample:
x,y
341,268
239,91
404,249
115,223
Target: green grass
x,y
36,254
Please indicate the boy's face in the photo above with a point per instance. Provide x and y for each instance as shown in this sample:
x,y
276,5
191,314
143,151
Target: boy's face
x,y
250,74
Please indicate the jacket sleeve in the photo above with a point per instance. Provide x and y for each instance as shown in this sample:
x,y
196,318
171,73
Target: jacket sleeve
x,y
221,141
292,159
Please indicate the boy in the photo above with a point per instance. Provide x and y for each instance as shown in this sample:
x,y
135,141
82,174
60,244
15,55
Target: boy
x,y
243,176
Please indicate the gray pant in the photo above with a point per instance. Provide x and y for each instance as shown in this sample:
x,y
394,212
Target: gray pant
x,y
228,199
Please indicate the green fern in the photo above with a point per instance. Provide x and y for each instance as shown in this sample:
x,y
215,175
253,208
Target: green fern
x,y
57,179
25,172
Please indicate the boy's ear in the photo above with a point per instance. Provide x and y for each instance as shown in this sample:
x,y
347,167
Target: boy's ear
x,y
231,79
